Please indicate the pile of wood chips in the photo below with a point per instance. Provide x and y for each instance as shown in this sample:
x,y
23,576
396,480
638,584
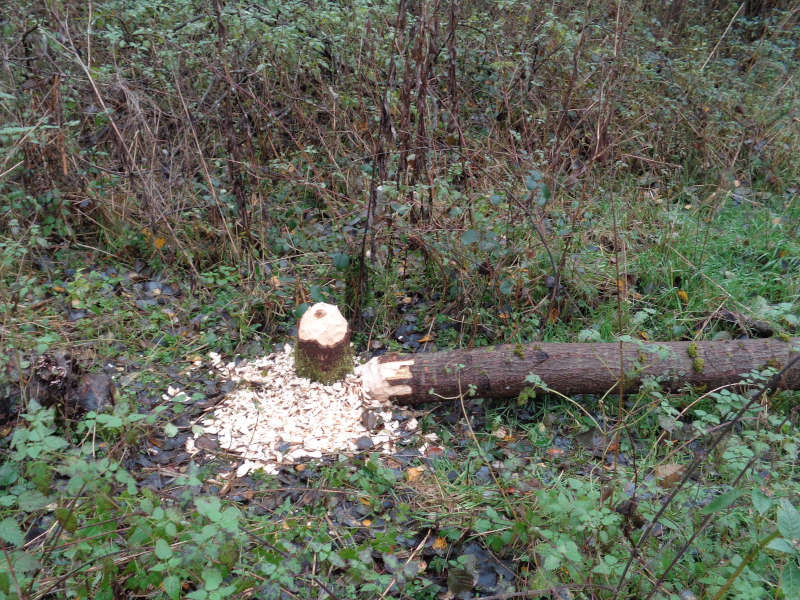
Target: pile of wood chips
x,y
275,418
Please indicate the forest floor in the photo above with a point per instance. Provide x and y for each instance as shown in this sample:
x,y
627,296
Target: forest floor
x,y
177,187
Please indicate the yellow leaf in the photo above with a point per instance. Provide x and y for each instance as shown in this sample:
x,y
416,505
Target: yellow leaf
x,y
159,243
440,544
414,473
644,335
366,522
427,338
364,500
59,289
683,297
276,283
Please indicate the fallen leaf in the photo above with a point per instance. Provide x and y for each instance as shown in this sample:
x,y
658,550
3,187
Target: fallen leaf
x,y
553,452
159,242
501,433
432,451
683,297
440,544
427,338
414,473
366,522
668,475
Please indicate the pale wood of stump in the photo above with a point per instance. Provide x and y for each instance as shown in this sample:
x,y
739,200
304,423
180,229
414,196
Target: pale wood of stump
x,y
323,336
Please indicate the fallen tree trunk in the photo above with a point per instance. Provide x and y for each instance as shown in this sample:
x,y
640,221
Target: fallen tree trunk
x,y
500,371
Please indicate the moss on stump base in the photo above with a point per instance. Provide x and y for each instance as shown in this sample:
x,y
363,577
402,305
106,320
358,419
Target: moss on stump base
x,y
323,345
308,367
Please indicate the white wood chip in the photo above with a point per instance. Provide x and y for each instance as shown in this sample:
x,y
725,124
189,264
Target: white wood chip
x,y
274,417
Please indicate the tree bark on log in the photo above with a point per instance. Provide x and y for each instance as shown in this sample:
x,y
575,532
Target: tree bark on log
x,y
323,345
500,371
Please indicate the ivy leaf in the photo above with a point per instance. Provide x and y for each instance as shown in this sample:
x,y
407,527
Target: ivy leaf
x,y
170,430
10,532
533,180
470,236
316,293
788,521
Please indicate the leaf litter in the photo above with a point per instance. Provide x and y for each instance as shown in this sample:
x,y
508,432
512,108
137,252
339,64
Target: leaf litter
x,y
274,418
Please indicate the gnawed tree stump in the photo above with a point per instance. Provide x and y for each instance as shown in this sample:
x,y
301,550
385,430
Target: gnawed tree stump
x,y
323,345
500,371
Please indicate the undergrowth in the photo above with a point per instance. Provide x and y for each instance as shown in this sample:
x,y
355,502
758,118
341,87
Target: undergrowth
x,y
178,179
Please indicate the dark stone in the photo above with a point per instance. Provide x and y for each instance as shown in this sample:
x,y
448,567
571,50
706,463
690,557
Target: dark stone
x,y
406,455
370,420
364,443
483,475
76,314
153,481
207,442
95,392
145,305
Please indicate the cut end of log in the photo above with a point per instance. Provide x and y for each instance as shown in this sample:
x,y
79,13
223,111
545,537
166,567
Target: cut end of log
x,y
323,345
382,381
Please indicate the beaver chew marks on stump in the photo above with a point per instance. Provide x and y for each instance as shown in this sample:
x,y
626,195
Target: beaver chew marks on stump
x,y
323,345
